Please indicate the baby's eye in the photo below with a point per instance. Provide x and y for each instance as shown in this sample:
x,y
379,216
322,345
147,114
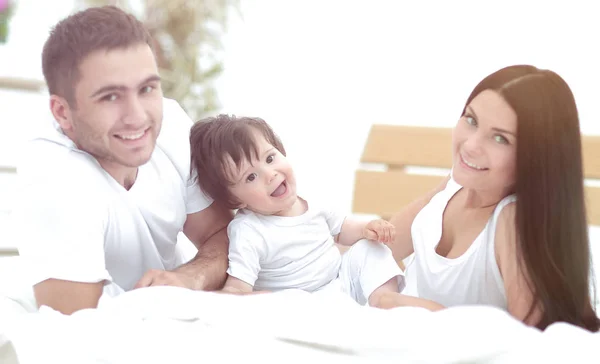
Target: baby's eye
x,y
270,158
251,177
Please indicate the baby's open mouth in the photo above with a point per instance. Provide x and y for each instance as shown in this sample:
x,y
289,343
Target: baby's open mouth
x,y
280,190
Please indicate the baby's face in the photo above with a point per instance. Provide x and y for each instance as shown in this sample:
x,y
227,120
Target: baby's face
x,y
265,185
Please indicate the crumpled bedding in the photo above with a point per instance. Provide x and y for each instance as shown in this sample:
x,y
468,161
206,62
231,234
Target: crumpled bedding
x,y
176,325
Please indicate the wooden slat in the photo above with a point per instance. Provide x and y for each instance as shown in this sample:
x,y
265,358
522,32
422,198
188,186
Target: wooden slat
x,y
8,169
385,193
8,252
21,84
591,155
592,200
398,145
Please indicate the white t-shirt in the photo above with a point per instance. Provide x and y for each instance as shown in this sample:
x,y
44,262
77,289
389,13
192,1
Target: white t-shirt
x,y
74,222
274,252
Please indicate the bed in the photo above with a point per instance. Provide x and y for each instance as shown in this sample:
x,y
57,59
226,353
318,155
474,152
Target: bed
x,y
175,325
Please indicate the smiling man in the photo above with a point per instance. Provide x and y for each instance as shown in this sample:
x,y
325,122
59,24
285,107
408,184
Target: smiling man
x,y
106,188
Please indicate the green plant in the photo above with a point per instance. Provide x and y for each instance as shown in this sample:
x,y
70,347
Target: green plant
x,y
6,13
188,46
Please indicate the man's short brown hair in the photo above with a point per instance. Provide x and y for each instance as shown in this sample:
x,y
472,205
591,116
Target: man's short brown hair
x,y
75,37
216,139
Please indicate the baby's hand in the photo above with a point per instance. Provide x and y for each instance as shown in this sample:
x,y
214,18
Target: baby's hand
x,y
380,230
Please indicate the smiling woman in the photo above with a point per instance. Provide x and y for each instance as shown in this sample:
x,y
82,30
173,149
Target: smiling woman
x,y
484,140
511,217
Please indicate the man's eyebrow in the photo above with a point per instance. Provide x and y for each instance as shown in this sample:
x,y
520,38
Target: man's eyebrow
x,y
114,87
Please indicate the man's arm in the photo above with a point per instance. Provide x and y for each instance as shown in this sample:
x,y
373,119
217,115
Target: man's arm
x,y
60,227
207,230
67,296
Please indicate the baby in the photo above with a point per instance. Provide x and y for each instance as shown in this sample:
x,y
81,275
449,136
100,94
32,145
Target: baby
x,y
279,240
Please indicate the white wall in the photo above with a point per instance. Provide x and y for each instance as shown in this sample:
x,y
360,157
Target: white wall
x,y
322,71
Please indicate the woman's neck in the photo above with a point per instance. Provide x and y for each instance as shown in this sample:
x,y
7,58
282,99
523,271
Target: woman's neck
x,y
483,198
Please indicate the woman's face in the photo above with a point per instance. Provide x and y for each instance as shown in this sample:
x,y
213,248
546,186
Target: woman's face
x,y
485,145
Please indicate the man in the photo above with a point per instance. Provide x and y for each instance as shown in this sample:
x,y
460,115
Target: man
x,y
107,187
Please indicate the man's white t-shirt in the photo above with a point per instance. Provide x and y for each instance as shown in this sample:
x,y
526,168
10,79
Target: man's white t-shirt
x,y
274,253
74,222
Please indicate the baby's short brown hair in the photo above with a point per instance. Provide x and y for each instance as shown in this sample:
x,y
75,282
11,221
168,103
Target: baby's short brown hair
x,y
215,139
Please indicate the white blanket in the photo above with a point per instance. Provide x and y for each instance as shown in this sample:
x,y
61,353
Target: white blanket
x,y
174,325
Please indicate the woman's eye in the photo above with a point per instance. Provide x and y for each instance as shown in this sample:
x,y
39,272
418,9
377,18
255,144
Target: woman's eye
x,y
471,120
500,139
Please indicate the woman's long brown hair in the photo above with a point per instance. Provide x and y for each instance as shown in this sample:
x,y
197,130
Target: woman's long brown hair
x,y
551,222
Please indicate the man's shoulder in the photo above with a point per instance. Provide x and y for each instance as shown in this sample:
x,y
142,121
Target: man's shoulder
x,y
174,138
42,157
176,123
54,174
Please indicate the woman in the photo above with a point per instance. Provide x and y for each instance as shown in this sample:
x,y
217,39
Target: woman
x,y
508,227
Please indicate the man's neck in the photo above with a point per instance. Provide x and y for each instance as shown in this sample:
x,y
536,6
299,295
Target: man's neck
x,y
125,176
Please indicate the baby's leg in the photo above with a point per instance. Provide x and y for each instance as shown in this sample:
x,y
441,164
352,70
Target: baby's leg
x,y
369,272
384,295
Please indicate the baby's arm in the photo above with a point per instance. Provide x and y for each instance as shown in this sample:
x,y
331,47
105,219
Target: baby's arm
x,y
237,286
245,251
354,230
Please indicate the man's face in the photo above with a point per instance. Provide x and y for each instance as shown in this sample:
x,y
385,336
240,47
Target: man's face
x,y
118,112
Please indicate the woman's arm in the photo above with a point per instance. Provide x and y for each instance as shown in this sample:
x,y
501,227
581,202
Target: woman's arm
x,y
519,296
402,245
401,300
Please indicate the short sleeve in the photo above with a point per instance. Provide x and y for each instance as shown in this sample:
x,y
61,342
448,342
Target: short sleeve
x,y
335,219
59,232
174,141
196,199
246,249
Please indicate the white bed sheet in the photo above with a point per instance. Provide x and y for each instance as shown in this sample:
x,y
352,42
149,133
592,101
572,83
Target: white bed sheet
x,y
173,325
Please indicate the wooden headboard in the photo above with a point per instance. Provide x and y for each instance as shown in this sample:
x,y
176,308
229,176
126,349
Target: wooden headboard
x,y
385,182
